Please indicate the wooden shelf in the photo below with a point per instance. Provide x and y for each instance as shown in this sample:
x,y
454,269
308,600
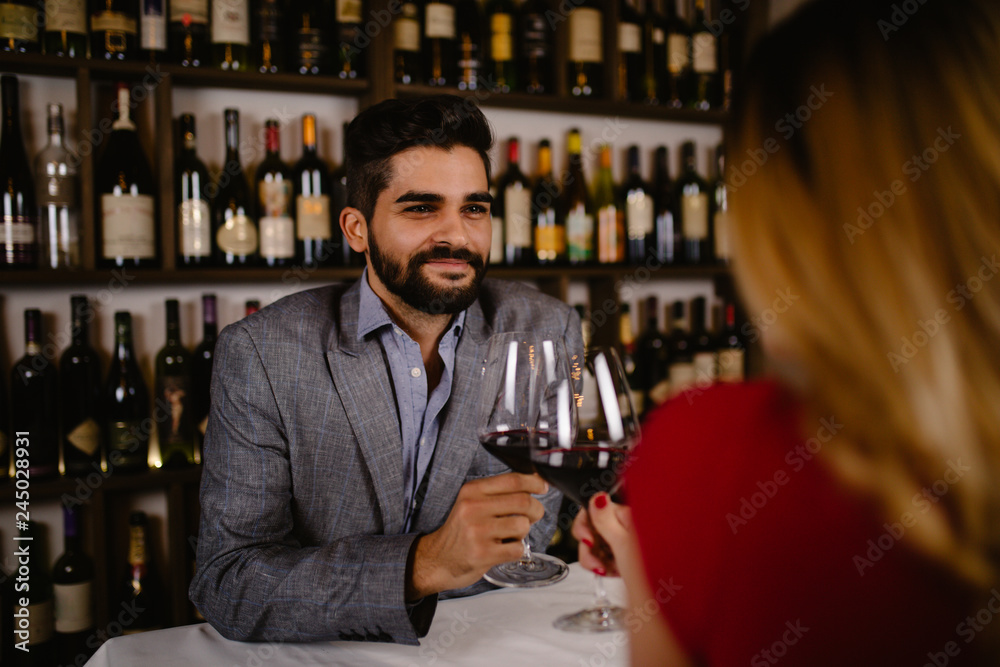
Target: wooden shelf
x,y
156,478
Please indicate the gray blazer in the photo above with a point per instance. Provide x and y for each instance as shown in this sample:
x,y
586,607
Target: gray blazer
x,y
302,503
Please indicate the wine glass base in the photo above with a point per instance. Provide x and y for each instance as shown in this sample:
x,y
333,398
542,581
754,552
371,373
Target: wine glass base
x,y
596,619
541,570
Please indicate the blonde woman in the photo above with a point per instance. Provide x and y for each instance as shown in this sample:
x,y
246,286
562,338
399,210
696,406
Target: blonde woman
x,y
847,513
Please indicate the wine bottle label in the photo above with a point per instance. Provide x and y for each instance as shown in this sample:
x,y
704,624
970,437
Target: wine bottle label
x,y
112,22
580,235
722,231
16,230
585,43
65,15
74,607
496,240
277,237
238,236
629,38
41,628
312,48
731,365
348,11
439,21
703,45
694,216
124,437
196,228
85,437
501,42
638,400
174,427
193,11
550,242
639,215
659,37
18,22
659,393
153,24
677,53
230,22
407,31
705,370
128,226
313,214
610,232
534,36
517,216
136,546
56,190
274,197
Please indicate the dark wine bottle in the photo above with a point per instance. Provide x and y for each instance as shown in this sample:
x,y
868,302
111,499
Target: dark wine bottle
x,y
174,423
549,226
80,395
236,238
668,231
141,589
65,28
153,29
674,89
40,646
274,202
127,404
501,67
312,22
640,213
439,43
703,346
631,62
314,231
194,217
201,367
18,239
721,223
682,373
732,348
610,213
514,190
535,37
692,207
629,357
187,33
654,359
406,28
20,21
126,197
469,24
586,49
73,587
654,57
350,39
113,30
268,44
55,180
577,206
33,400
704,61
252,306
231,34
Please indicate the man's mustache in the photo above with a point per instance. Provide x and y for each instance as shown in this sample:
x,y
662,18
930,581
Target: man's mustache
x,y
475,260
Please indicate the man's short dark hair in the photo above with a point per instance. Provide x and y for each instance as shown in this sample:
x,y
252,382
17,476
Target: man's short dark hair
x,y
392,126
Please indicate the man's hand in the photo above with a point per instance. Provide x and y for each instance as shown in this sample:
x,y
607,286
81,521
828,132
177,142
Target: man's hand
x,y
485,528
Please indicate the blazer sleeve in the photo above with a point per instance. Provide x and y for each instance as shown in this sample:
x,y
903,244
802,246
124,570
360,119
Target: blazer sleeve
x,y
255,581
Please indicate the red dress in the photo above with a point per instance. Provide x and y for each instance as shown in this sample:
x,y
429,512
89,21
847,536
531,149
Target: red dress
x,y
760,557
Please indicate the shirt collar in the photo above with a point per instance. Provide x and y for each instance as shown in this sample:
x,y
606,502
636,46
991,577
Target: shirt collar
x,y
373,315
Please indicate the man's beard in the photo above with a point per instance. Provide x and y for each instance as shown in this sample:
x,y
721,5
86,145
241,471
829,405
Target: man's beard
x,y
409,283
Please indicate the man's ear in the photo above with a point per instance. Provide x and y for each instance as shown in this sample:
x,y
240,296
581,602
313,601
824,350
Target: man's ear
x,y
355,228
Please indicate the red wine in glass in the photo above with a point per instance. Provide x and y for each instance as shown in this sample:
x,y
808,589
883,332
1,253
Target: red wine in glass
x,y
512,447
581,471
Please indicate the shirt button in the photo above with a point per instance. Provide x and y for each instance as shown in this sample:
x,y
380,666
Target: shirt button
x,y
415,372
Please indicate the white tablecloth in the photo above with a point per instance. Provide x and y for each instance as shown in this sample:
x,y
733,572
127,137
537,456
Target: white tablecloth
x,y
503,628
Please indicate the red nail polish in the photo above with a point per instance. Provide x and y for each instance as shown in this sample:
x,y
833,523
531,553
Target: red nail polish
x,y
601,501
600,571
590,545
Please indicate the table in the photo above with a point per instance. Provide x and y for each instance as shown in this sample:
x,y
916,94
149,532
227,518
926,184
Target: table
x,y
502,628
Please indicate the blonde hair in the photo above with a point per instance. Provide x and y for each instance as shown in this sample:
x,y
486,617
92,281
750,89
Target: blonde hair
x,y
877,204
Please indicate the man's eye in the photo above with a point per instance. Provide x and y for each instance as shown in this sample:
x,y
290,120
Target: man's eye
x,y
477,209
419,208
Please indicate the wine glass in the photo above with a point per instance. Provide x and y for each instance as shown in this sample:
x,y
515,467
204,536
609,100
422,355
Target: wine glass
x,y
515,373
591,461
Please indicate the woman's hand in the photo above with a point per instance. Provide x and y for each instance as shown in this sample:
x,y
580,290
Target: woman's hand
x,y
607,540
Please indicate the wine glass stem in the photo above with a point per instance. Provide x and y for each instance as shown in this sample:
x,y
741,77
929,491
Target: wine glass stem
x,y
526,555
600,595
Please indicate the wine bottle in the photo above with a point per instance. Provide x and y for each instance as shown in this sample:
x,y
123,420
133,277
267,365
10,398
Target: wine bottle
x,y
174,423
252,306
36,591
732,348
515,191
721,223
312,22
631,62
654,359
187,33
80,395
610,216
113,31
268,45
534,43
20,213
127,404
274,201
586,49
640,213
550,228
201,367
682,373
629,357
153,29
704,61
349,37
19,24
406,45
439,43
577,206
194,218
232,208
55,180
73,588
65,28
126,204
692,206
314,232
469,24
141,589
678,66
230,34
33,399
654,57
668,231
703,347
501,70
